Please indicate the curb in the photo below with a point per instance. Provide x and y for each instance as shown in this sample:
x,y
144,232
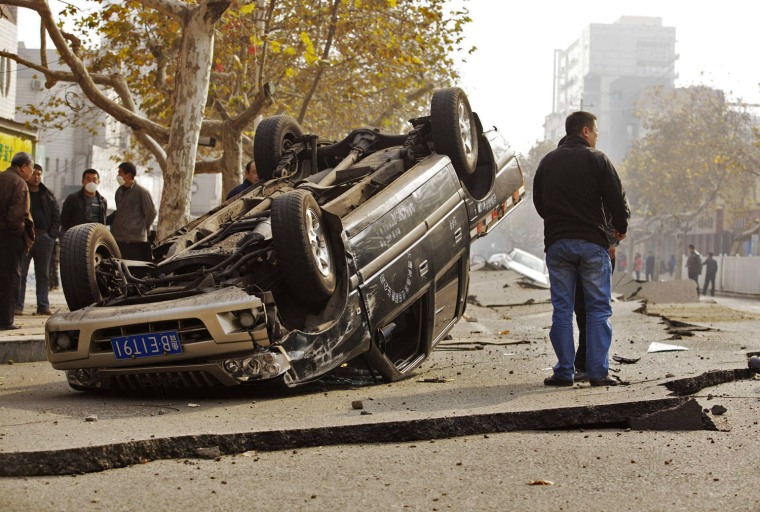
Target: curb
x,y
23,349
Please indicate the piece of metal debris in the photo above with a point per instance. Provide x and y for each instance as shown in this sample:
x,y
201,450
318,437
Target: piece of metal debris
x,y
664,347
91,418
193,405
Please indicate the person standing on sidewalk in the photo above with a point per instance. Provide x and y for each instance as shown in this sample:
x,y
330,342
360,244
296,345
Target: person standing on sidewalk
x,y
47,223
574,185
85,205
694,265
133,216
711,270
16,233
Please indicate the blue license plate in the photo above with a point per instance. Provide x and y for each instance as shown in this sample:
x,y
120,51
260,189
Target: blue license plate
x,y
146,345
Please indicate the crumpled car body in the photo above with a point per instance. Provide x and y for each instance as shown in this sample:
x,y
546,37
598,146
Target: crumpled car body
x,y
348,256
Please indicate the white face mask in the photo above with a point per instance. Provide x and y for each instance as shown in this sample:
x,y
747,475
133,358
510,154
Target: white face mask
x,y
120,180
91,187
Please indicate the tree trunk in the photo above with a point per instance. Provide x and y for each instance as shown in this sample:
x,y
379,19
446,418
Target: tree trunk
x,y
232,159
191,92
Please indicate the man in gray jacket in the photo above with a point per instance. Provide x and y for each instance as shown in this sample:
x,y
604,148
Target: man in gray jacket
x,y
133,217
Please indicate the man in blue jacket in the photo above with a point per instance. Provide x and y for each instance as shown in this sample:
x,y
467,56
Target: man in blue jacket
x,y
573,188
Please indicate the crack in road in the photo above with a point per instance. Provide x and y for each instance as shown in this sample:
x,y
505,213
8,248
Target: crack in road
x,y
675,413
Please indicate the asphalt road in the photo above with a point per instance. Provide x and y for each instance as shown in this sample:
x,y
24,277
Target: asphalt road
x,y
493,366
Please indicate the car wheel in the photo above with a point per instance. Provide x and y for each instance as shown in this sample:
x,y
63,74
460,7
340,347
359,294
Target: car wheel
x,y
83,249
274,135
454,130
303,250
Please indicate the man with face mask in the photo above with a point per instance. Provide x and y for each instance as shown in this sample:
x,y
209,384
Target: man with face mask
x,y
85,205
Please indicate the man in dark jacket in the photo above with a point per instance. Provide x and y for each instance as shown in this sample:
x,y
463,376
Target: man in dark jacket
x,y
251,177
573,188
711,270
85,205
47,223
16,233
694,265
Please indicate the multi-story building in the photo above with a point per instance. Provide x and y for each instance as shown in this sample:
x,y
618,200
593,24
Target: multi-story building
x,y
605,71
14,137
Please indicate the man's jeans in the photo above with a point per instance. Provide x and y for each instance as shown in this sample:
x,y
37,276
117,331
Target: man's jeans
x,y
571,260
42,252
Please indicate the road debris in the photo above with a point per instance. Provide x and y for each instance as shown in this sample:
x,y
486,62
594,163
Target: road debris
x,y
437,380
357,404
625,360
540,482
211,452
91,418
664,347
718,410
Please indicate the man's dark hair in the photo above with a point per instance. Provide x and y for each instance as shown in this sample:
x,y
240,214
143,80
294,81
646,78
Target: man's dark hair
x,y
691,246
37,167
90,171
21,159
128,168
577,120
248,166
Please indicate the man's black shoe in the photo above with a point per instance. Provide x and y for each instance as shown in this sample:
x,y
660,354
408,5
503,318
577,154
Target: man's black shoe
x,y
9,327
604,381
554,381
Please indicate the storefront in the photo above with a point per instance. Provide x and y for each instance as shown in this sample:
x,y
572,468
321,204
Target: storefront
x,y
15,137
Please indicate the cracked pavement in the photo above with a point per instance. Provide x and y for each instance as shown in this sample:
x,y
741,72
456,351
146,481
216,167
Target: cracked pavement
x,y
487,379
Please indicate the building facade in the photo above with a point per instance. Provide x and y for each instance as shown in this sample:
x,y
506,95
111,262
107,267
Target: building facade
x,y
14,136
605,71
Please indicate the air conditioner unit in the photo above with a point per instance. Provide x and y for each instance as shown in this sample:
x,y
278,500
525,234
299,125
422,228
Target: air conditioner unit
x,y
37,85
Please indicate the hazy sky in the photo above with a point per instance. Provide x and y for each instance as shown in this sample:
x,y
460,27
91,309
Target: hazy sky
x,y
509,78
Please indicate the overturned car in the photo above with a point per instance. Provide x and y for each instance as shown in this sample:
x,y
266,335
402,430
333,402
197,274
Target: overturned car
x,y
348,255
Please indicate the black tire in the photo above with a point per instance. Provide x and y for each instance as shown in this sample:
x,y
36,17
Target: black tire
x,y
303,250
83,248
454,129
273,137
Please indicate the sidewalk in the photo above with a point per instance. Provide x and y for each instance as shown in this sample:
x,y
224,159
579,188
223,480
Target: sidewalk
x,y
28,343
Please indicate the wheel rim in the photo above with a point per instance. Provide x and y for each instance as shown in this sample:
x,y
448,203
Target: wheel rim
x,y
465,131
318,243
102,253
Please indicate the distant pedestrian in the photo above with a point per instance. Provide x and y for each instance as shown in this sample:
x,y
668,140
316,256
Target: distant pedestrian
x,y
694,265
622,262
711,270
649,266
86,204
672,264
251,178
16,233
638,265
47,224
574,186
133,217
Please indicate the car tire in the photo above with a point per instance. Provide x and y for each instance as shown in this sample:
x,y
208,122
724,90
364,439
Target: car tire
x,y
454,130
302,247
274,135
83,248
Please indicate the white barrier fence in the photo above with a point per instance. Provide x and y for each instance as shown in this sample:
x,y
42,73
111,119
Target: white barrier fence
x,y
737,275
